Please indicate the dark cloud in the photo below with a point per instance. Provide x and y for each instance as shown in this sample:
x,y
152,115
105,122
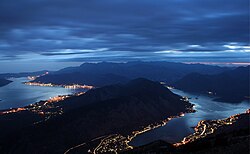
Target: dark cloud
x,y
61,53
134,29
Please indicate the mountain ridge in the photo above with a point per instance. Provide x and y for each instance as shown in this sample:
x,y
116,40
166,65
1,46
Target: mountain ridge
x,y
231,86
122,72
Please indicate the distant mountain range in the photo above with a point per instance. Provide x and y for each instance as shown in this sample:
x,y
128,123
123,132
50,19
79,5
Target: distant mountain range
x,y
100,74
229,86
98,80
4,82
120,108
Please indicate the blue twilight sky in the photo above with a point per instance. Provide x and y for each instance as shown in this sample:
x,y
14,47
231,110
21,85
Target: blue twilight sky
x,y
51,34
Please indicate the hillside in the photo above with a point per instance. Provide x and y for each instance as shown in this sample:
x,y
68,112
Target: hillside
x,y
229,86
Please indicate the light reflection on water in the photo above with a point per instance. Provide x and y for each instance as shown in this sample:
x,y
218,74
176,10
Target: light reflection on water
x,y
178,128
17,94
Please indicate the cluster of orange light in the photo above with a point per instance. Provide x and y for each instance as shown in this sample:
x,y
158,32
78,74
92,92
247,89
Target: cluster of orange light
x,y
34,77
12,111
117,142
74,86
39,84
208,127
77,86
57,99
51,100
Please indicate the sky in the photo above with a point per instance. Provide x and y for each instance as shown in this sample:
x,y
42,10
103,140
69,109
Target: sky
x,y
52,34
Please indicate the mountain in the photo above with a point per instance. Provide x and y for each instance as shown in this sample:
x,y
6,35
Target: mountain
x,y
98,80
113,109
89,73
4,82
229,86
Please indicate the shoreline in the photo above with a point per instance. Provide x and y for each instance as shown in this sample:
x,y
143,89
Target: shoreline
x,y
67,86
157,125
117,142
207,127
39,105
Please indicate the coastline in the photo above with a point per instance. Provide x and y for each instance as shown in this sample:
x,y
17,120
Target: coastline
x,y
117,142
71,86
113,142
207,127
38,107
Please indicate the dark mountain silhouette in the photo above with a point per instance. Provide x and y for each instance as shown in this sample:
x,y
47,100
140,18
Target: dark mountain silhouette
x,y
89,73
81,78
4,82
120,108
230,86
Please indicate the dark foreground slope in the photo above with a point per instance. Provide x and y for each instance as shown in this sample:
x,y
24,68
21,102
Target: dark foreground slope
x,y
100,74
112,109
4,82
230,86
227,139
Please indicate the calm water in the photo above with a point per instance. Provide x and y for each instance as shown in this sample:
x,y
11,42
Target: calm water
x,y
17,94
178,128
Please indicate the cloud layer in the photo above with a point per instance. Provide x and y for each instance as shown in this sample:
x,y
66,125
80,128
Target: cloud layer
x,y
122,30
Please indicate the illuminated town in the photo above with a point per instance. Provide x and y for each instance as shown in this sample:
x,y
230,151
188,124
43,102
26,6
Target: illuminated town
x,y
73,86
47,108
34,77
12,111
115,143
206,127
